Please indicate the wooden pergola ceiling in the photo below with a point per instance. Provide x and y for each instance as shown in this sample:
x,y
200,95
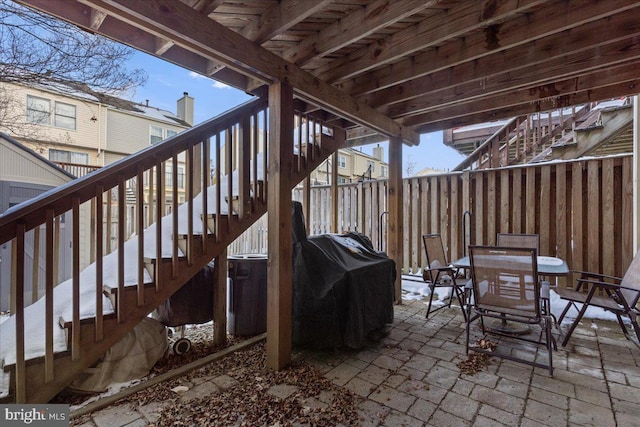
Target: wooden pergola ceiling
x,y
389,67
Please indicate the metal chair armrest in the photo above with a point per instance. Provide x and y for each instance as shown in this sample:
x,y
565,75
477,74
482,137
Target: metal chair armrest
x,y
600,276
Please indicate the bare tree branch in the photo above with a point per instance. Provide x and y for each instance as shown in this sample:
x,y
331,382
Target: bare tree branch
x,y
36,49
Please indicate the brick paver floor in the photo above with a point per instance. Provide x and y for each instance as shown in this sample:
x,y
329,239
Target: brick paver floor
x,y
410,378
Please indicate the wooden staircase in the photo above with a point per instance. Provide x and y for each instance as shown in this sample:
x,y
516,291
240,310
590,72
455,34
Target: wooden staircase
x,y
546,136
199,230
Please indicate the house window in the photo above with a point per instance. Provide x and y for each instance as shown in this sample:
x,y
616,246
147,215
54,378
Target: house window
x,y
65,116
38,110
342,180
180,177
342,162
68,157
155,134
384,170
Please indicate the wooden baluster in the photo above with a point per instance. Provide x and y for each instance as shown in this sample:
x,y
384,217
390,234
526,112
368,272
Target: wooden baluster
x,y
121,238
229,172
35,270
56,254
75,281
159,214
174,211
48,295
299,145
218,188
265,157
254,157
190,184
109,220
244,173
18,303
140,233
150,204
206,182
99,261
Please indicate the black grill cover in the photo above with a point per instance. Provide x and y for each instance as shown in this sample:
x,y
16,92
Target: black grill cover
x,y
342,289
192,303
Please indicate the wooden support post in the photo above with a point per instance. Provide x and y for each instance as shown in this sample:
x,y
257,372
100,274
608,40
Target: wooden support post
x,y
395,211
220,300
334,192
636,174
306,202
244,170
279,272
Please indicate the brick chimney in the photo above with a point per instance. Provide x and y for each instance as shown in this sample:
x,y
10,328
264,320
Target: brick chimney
x,y
378,152
185,108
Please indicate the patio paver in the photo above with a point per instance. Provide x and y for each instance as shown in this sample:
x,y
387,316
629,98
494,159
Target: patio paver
x,y
411,379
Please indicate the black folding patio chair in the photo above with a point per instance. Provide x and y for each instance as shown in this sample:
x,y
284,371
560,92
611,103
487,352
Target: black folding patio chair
x,y
440,273
506,288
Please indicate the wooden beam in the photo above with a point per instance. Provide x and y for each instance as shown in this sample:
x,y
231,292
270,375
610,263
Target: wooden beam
x,y
428,33
543,60
434,123
355,26
96,19
555,90
193,31
206,7
556,18
162,46
583,77
395,220
279,272
279,18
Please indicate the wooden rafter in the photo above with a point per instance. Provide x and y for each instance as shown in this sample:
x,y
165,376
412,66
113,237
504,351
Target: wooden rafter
x,y
517,32
279,19
353,27
197,33
382,64
427,33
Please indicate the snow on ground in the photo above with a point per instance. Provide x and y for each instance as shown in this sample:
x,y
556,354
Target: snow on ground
x,y
34,314
413,288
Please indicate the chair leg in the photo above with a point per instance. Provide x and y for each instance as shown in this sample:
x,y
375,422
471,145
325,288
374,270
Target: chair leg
x,y
564,312
574,324
468,328
551,343
460,301
634,323
433,288
622,326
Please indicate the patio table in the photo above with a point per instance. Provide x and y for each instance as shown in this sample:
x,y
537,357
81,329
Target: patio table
x,y
547,266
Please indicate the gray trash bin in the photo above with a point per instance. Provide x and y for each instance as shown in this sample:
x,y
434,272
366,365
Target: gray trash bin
x,y
247,295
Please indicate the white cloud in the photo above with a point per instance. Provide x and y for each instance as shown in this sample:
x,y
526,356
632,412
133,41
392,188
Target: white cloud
x,y
220,85
195,75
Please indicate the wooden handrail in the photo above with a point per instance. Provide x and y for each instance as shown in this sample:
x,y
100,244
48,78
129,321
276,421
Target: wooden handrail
x,y
32,212
485,145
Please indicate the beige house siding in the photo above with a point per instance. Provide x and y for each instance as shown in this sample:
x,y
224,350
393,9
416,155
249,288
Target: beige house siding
x,y
355,165
129,132
87,135
17,165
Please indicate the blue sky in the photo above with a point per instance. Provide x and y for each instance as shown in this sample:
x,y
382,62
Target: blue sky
x,y
167,82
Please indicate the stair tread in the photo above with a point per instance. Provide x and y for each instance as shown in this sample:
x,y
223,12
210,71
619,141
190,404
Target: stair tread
x,y
85,321
36,360
111,289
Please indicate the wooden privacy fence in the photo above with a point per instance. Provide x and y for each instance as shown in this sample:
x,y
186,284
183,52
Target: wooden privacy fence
x,y
581,209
